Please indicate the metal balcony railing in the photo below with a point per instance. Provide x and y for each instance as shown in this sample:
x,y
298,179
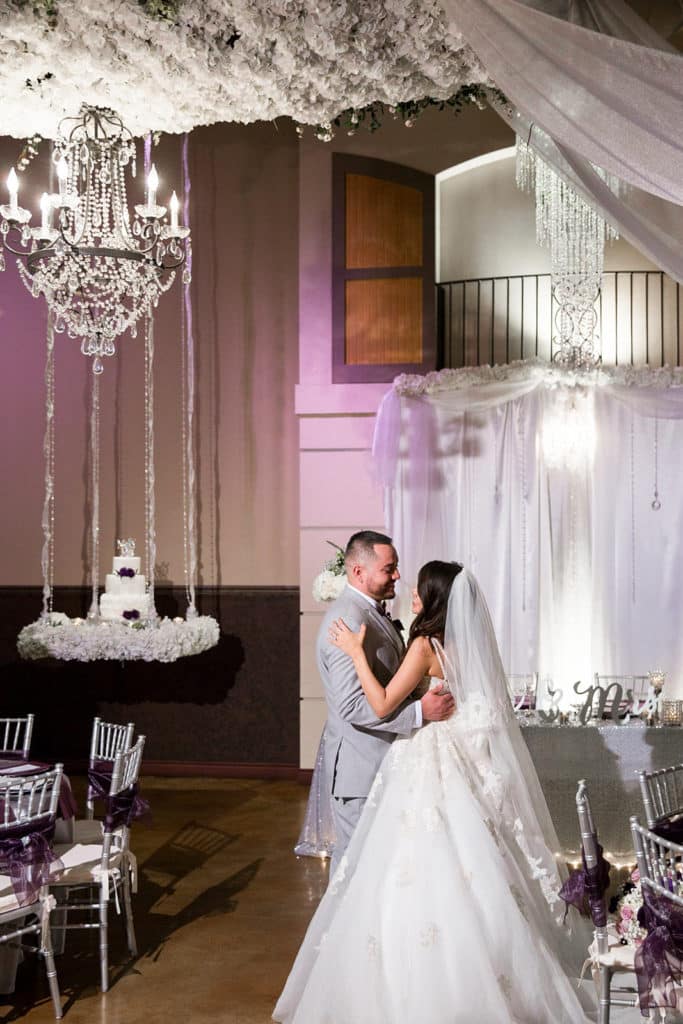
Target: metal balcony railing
x,y
501,319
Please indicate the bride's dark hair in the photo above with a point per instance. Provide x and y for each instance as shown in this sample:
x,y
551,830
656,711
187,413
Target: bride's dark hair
x,y
434,582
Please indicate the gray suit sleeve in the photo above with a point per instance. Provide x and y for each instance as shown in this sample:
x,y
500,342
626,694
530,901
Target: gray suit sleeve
x,y
350,700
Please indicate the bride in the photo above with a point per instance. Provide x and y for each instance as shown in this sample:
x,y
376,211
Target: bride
x,y
444,909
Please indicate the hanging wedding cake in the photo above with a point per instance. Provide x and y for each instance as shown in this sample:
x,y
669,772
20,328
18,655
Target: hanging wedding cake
x,y
125,595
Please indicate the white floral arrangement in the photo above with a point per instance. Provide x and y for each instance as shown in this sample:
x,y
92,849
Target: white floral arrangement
x,y
223,60
58,636
328,584
626,907
535,368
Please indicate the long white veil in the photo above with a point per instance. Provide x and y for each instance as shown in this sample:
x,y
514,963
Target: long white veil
x,y
477,679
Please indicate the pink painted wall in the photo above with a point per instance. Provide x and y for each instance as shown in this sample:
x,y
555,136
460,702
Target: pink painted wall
x,y
244,213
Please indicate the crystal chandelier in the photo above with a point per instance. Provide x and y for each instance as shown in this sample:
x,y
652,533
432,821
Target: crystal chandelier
x,y
100,269
575,234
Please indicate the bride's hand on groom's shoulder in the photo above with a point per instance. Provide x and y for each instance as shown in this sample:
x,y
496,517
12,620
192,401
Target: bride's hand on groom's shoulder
x,y
437,705
345,639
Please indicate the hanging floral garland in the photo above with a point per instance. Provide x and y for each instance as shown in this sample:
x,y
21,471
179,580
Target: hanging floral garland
x,y
371,116
173,65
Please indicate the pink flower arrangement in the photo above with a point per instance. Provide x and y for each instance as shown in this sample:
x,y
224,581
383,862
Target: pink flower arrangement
x,y
628,903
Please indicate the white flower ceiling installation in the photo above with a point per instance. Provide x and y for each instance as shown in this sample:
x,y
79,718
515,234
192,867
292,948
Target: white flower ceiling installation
x,y
222,60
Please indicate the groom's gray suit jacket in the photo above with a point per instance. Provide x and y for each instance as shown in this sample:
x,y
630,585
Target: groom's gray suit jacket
x,y
355,739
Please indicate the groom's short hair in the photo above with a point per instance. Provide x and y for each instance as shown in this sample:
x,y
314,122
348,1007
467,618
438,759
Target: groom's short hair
x,y
361,547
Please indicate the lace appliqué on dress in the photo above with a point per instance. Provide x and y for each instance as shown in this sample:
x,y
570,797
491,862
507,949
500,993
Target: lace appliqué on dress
x,y
505,985
409,819
339,875
432,820
405,872
539,873
428,936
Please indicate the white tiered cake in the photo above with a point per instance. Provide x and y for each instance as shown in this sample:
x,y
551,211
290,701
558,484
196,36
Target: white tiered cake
x,y
125,594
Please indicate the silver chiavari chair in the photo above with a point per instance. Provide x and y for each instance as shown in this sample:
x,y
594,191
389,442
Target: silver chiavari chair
x,y
606,954
105,865
107,740
634,689
28,805
15,736
662,793
660,864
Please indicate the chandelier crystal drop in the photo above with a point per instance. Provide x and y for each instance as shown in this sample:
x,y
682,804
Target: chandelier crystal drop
x,y
100,268
575,234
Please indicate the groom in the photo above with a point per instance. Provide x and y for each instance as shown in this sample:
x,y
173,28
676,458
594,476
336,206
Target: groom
x,y
355,739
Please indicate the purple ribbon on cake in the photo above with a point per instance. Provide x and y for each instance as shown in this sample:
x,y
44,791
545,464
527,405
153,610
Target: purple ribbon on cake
x,y
26,855
659,958
131,615
124,807
589,884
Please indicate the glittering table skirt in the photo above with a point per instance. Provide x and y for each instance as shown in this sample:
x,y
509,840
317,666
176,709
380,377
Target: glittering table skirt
x,y
606,756
317,835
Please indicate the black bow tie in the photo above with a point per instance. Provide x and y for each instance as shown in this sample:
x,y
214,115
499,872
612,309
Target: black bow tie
x,y
396,623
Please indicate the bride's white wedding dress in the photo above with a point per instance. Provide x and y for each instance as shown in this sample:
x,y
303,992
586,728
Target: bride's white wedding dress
x,y
444,909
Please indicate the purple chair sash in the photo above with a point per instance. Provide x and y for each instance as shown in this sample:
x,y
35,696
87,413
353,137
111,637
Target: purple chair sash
x,y
659,958
589,884
122,809
26,855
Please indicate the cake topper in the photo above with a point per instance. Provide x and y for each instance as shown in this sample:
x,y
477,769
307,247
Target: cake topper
x,y
126,548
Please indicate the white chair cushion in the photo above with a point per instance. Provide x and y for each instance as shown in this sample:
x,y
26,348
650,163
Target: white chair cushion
x,y
87,830
81,863
618,957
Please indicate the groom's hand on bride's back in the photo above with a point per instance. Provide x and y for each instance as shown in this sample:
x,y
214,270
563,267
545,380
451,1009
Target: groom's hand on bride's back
x,y
437,705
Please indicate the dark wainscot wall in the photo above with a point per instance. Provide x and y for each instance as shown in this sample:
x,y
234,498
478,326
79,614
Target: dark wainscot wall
x,y
233,710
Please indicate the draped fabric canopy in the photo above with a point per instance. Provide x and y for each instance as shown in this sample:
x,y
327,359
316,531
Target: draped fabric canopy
x,y
543,484
592,85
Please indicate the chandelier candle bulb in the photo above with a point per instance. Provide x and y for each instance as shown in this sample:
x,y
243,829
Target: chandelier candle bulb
x,y
174,204
46,215
13,189
63,176
152,186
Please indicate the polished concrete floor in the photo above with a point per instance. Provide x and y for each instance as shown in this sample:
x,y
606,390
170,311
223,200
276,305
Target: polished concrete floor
x,y
221,909
222,906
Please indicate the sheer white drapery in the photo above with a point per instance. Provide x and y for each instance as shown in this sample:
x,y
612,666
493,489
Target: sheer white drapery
x,y
580,572
616,103
599,87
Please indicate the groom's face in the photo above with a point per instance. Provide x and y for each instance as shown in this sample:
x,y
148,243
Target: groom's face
x,y
379,577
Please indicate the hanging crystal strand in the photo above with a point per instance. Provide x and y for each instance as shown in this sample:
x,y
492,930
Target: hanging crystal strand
x,y
94,612
656,503
47,560
576,234
191,496
523,502
150,510
183,439
633,511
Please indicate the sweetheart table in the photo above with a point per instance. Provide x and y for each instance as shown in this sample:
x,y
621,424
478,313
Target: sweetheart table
x,y
607,757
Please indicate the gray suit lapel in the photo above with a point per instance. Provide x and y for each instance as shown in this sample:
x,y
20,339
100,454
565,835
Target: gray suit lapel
x,y
386,625
381,621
